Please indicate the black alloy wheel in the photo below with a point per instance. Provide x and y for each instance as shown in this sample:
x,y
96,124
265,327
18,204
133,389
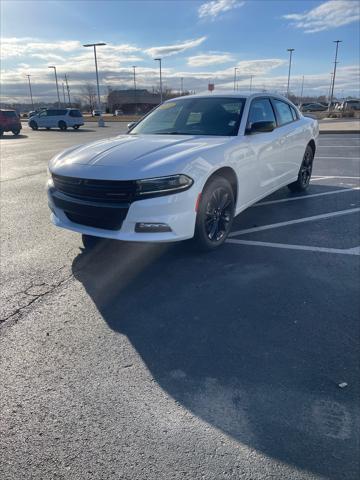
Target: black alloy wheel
x,y
305,171
33,125
62,125
215,214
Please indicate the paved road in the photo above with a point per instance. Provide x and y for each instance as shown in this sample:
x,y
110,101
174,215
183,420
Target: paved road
x,y
147,362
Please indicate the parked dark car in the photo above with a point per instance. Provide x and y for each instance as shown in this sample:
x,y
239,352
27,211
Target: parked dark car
x,y
313,107
9,122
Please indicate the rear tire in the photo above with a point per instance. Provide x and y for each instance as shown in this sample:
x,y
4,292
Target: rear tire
x,y
1,132
215,214
15,132
33,125
305,171
89,241
62,125
76,127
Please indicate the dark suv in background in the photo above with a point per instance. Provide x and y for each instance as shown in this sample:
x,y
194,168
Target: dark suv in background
x,y
9,122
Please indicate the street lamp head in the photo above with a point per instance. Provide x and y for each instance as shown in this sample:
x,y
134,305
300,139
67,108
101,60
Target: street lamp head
x,y
157,59
94,44
51,66
290,49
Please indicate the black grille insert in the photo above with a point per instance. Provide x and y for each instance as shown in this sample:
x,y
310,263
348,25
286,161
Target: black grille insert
x,y
111,191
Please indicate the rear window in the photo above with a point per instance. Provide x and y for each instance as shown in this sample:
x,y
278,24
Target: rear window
x,y
9,114
75,113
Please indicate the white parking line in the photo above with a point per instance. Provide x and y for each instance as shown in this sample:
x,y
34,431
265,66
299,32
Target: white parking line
x,y
303,197
315,177
337,146
348,251
338,158
294,222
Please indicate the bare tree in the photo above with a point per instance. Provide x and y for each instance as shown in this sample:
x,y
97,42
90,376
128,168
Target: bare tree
x,y
88,94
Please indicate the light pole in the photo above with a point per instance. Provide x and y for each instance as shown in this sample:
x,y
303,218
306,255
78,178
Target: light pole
x,y
68,89
251,77
334,74
329,92
134,73
302,91
235,70
101,122
63,89
32,102
181,86
56,80
161,91
290,50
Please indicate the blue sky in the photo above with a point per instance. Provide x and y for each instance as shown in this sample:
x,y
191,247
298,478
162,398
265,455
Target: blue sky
x,y
200,41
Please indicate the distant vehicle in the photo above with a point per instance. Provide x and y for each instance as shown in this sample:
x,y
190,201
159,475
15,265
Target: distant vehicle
x,y
96,113
313,107
350,105
52,118
118,113
183,171
9,122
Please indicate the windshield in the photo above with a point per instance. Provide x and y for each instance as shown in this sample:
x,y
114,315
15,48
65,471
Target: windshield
x,y
194,116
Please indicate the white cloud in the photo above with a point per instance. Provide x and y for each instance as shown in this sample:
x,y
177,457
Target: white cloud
x,y
168,50
211,58
331,14
215,7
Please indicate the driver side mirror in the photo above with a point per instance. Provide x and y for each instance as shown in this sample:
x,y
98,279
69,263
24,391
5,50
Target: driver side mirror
x,y
260,127
130,126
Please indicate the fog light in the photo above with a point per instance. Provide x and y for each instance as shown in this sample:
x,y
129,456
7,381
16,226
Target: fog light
x,y
151,227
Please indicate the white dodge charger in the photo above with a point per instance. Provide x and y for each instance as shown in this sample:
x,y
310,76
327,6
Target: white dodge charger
x,y
183,171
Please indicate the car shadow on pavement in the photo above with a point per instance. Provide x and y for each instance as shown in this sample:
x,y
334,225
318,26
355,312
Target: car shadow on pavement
x,y
246,344
13,137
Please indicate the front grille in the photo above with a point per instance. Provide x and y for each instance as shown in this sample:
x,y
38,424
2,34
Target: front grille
x,y
109,216
107,223
108,191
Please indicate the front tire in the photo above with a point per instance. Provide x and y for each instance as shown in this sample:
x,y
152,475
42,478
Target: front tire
x,y
62,125
305,171
215,214
76,127
33,125
15,132
89,241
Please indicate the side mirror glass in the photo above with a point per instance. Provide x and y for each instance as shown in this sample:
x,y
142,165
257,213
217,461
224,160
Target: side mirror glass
x,y
261,127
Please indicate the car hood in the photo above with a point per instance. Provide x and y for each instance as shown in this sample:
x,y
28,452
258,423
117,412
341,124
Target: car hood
x,y
133,156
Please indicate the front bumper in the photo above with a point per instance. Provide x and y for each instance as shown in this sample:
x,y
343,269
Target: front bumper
x,y
177,211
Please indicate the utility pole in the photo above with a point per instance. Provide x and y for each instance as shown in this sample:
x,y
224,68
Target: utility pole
x,y
235,70
290,50
32,102
329,92
57,85
334,74
181,86
161,90
68,89
101,122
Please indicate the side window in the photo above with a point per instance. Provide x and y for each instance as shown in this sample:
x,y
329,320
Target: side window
x,y
43,113
260,111
294,113
283,112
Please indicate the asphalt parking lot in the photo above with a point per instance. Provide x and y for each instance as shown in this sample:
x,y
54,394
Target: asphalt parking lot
x,y
145,362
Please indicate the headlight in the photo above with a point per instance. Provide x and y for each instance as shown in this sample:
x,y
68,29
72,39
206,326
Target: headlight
x,y
163,185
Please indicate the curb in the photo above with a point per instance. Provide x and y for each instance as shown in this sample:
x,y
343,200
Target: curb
x,y
324,132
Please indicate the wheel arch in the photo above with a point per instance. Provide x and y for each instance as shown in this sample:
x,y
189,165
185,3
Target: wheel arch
x,y
230,175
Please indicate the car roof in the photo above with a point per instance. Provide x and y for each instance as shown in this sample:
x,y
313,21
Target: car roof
x,y
232,94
